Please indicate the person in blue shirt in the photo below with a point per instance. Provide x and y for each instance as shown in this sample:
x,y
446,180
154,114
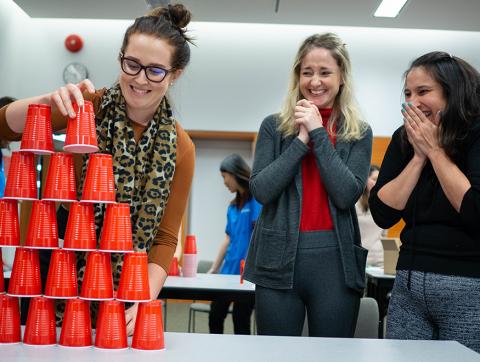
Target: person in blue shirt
x,y
242,213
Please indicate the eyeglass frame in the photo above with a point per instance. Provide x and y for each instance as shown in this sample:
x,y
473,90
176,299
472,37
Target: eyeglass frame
x,y
144,68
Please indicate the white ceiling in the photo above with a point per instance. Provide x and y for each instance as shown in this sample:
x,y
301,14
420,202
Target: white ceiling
x,y
419,14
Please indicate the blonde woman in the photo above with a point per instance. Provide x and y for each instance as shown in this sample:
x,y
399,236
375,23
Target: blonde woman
x,y
311,165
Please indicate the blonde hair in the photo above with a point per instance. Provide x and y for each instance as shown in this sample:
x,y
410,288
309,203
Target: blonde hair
x,y
345,105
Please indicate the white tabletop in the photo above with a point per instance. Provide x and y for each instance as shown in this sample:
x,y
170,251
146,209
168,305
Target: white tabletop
x,y
377,272
192,347
210,281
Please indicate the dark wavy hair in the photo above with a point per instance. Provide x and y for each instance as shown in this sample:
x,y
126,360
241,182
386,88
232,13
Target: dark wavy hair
x,y
460,83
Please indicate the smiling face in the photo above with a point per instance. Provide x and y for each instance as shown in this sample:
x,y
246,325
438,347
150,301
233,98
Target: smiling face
x,y
424,92
320,77
143,96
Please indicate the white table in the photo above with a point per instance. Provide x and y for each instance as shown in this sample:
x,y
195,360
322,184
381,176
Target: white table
x,y
193,347
207,287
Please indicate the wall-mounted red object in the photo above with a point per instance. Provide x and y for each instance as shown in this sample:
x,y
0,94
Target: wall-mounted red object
x,y
74,43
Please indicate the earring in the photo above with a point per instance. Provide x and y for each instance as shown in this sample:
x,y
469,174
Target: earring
x,y
171,83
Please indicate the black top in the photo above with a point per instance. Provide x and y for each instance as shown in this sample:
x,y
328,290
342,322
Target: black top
x,y
436,238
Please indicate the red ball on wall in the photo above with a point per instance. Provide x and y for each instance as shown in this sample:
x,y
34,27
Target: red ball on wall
x,y
74,43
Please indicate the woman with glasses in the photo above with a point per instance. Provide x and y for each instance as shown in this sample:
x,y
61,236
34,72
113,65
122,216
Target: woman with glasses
x,y
311,166
153,157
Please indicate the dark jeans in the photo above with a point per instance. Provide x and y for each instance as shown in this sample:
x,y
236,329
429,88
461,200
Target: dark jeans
x,y
241,316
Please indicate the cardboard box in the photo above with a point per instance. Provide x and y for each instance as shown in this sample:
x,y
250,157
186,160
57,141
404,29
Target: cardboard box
x,y
391,248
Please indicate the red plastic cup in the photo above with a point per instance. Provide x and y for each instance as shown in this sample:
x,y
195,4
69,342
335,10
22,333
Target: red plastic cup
x,y
173,270
37,134
10,331
77,325
60,183
9,225
242,268
42,230
2,281
111,330
190,245
97,281
190,257
148,333
62,275
116,233
25,279
133,285
81,134
80,232
22,178
99,183
40,328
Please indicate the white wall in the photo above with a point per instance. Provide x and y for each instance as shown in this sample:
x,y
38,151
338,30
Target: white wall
x,y
238,75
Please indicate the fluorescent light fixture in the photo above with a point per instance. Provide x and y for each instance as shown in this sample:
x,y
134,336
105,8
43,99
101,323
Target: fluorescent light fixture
x,y
389,8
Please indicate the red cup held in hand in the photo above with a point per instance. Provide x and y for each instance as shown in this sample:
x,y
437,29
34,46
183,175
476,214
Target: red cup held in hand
x,y
133,285
81,130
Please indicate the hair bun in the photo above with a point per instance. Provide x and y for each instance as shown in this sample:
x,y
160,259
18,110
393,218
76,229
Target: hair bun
x,y
177,14
180,16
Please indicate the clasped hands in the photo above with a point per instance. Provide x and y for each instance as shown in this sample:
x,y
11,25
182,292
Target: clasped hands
x,y
307,118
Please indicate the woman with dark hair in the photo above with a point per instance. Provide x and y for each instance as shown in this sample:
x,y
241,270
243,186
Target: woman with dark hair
x,y
311,166
153,157
370,233
242,214
430,177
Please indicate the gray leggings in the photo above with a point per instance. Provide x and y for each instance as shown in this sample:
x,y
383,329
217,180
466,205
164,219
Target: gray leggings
x,y
436,307
319,289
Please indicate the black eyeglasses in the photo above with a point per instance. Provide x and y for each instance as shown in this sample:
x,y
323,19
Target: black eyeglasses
x,y
153,73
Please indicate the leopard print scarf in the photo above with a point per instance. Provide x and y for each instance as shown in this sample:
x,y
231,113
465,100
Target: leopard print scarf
x,y
143,174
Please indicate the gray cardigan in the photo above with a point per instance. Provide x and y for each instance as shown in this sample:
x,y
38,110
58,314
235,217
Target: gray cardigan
x,y
276,183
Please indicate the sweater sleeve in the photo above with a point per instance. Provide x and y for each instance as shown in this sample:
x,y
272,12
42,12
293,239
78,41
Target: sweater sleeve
x,y
393,164
470,207
344,179
270,175
165,242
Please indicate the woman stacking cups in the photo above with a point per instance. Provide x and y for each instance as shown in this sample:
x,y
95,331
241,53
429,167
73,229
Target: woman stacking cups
x,y
152,156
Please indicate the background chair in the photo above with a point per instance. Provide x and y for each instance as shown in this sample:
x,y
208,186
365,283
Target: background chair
x,y
367,321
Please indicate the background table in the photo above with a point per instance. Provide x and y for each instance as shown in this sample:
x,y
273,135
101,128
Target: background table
x,y
379,285
193,347
208,287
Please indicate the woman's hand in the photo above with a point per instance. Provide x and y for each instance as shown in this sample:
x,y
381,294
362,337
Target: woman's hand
x,y
62,98
308,115
422,133
130,318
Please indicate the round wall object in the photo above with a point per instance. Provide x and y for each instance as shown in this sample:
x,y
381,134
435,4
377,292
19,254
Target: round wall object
x,y
74,43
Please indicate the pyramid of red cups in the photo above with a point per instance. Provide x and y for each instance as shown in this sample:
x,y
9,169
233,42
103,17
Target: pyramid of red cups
x,y
80,235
